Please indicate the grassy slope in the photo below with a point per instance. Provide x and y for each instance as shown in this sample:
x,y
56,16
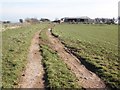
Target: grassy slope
x,y
58,75
97,44
15,47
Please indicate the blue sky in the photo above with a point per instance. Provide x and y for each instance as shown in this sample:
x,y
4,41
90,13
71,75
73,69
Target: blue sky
x,y
14,9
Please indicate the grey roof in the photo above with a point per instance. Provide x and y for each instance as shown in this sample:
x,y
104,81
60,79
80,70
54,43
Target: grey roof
x,y
82,17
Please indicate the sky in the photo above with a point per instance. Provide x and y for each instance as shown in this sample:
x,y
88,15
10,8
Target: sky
x,y
13,10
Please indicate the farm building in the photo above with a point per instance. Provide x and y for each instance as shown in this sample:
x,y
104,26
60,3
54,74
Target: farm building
x,y
104,21
84,19
56,21
44,20
87,20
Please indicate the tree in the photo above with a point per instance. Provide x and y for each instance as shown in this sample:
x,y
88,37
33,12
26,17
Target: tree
x,y
21,20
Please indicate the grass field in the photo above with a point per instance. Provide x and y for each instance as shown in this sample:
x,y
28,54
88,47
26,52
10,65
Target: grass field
x,y
58,74
15,46
96,45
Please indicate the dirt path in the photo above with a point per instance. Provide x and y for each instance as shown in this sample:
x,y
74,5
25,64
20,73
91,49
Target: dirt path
x,y
32,77
86,78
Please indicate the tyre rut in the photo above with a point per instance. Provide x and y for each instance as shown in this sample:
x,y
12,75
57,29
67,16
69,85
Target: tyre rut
x,y
33,74
86,78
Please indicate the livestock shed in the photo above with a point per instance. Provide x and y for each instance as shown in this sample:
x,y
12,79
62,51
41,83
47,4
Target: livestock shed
x,y
84,19
104,21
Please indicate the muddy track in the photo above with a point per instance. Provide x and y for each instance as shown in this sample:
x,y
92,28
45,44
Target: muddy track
x,y
86,78
32,76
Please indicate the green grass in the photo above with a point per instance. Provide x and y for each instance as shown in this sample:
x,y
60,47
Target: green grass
x,y
104,35
97,45
15,46
57,72
58,75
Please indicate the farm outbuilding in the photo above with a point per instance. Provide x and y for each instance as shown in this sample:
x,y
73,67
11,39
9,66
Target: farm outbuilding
x,y
104,21
84,19
44,20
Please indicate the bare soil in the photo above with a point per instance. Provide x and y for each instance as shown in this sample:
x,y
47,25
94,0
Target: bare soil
x,y
86,78
33,74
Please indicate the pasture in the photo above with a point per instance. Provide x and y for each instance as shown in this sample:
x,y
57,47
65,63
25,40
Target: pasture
x,y
15,46
96,46
57,73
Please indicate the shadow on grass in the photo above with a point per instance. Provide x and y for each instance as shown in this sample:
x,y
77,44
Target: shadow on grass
x,y
45,76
